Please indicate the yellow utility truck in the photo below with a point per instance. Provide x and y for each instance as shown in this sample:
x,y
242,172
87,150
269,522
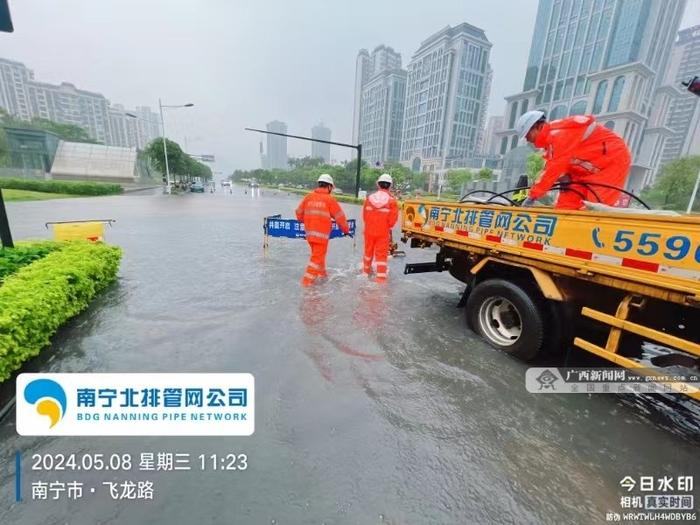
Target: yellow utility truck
x,y
533,274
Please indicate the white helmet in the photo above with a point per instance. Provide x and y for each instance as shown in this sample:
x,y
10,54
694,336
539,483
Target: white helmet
x,y
385,177
326,178
526,121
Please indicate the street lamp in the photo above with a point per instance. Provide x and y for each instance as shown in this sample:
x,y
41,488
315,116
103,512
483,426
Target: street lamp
x,y
165,148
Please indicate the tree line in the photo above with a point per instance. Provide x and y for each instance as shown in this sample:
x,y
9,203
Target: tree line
x,y
182,167
305,171
674,185
458,177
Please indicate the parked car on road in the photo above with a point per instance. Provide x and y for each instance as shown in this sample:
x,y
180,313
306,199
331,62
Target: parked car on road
x,y
197,187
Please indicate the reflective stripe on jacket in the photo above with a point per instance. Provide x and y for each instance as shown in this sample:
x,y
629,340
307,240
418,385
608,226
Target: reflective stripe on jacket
x,y
379,213
317,210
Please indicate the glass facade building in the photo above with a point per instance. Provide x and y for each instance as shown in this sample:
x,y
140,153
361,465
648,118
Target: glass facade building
x,y
603,57
684,115
367,66
447,92
382,112
569,42
380,95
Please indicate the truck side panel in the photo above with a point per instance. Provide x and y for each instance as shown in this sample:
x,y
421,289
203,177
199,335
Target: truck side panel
x,y
656,250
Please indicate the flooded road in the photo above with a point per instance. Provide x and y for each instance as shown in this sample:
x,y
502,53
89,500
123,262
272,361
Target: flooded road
x,y
373,404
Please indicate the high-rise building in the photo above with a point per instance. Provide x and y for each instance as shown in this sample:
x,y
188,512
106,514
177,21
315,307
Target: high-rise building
x,y
147,126
446,98
132,128
379,97
118,121
606,58
276,157
361,74
382,110
14,98
67,104
494,125
26,98
319,150
684,114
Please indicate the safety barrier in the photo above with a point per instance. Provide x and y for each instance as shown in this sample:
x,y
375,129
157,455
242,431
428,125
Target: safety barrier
x,y
276,226
91,230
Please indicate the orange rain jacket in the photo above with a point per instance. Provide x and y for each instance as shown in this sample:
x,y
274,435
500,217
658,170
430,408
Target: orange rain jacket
x,y
380,213
587,152
316,211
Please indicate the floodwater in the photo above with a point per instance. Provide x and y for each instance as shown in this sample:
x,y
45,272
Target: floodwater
x,y
373,404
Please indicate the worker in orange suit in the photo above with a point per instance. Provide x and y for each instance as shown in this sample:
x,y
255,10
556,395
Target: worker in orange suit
x,y
379,213
577,149
317,210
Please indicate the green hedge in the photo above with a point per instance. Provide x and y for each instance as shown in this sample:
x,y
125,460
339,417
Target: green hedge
x,y
24,253
40,297
62,186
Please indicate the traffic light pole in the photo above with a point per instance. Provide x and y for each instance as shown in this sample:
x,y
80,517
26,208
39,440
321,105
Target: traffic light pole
x,y
5,233
356,147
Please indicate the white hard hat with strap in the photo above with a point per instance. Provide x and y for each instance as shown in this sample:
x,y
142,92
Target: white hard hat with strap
x,y
326,178
526,121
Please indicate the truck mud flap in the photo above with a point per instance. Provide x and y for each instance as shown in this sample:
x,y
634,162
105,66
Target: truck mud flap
x,y
465,295
423,268
440,265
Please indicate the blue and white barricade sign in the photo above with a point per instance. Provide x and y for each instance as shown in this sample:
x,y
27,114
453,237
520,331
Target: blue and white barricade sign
x,y
294,229
276,226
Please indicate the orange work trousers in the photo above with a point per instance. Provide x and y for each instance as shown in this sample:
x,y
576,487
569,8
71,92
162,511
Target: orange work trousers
x,y
377,250
317,262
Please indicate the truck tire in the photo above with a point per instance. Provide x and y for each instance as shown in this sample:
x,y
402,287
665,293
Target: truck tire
x,y
508,316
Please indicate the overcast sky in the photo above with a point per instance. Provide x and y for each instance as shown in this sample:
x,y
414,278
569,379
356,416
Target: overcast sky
x,y
246,62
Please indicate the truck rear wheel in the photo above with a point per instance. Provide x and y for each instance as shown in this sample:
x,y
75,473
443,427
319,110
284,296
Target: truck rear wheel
x,y
509,316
